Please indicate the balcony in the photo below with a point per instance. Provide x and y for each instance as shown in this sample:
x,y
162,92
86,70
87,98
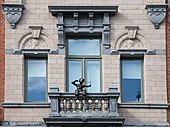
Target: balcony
x,y
95,109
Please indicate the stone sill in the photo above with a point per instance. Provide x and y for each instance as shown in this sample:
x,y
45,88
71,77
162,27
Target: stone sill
x,y
47,105
140,105
26,105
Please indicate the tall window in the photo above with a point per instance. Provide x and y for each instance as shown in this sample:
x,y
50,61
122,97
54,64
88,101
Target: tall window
x,y
131,80
84,61
36,80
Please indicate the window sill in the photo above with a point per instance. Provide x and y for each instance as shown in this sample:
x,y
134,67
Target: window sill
x,y
148,105
26,105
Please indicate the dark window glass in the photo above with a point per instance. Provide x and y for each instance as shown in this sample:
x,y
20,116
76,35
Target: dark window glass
x,y
131,81
36,80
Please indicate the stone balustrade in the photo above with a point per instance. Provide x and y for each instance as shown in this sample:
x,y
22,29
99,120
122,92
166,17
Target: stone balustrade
x,y
94,104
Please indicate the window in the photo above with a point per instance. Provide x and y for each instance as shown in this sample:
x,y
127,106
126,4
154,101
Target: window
x,y
36,80
84,61
131,80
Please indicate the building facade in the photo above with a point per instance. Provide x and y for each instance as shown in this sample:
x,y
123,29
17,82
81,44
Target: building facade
x,y
59,41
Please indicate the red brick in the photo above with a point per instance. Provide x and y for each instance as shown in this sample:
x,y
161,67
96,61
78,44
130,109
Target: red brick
x,y
2,60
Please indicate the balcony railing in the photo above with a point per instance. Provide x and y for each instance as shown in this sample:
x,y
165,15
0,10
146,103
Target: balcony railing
x,y
94,104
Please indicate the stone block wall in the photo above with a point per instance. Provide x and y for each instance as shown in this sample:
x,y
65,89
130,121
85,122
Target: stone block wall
x,y
130,13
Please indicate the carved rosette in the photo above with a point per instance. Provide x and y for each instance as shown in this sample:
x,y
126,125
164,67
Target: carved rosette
x,y
156,14
13,13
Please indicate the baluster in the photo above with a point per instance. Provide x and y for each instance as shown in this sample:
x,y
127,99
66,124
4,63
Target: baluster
x,y
105,105
96,105
74,105
80,105
93,104
68,104
65,105
89,105
86,103
61,105
71,104
99,105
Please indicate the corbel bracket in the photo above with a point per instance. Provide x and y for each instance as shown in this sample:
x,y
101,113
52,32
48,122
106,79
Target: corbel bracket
x,y
157,14
13,13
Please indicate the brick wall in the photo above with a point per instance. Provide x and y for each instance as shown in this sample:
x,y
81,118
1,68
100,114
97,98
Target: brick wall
x,y
168,61
2,59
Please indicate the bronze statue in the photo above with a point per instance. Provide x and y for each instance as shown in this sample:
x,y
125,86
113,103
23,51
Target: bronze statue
x,y
81,91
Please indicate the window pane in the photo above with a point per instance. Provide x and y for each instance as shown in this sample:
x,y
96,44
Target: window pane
x,y
93,75
83,47
131,80
75,72
36,90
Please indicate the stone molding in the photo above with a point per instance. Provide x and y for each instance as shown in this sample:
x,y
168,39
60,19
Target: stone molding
x,y
13,13
120,105
156,13
36,39
132,39
54,10
71,24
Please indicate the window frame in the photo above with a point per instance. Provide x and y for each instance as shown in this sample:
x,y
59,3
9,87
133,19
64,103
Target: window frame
x,y
83,58
26,78
126,58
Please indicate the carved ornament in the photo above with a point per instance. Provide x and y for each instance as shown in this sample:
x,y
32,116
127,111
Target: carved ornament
x,y
36,31
131,44
156,14
132,31
35,44
13,13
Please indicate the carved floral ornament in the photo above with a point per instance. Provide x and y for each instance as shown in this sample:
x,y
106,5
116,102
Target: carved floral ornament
x,y
35,39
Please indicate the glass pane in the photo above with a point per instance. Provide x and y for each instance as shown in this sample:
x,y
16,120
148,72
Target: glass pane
x,y
132,69
84,47
131,80
75,71
36,80
93,75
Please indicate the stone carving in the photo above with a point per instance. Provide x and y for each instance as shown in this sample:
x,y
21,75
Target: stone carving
x,y
35,41
156,14
76,22
13,13
35,44
91,22
132,30
131,39
36,31
131,44
28,41
81,91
